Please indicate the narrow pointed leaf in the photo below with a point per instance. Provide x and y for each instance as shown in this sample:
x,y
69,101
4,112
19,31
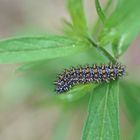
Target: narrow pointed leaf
x,y
38,48
100,11
122,26
76,10
102,122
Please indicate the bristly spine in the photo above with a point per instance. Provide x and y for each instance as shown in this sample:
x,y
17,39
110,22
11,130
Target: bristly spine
x,y
88,74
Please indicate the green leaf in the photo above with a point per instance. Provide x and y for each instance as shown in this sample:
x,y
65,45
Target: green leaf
x,y
100,11
38,48
90,57
97,27
130,92
76,10
45,72
103,114
122,26
136,131
77,92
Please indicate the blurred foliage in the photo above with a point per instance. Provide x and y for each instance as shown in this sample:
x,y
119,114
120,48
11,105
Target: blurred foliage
x,y
131,99
48,55
76,11
130,93
122,26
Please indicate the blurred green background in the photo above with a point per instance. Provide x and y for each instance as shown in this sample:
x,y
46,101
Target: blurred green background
x,y
28,111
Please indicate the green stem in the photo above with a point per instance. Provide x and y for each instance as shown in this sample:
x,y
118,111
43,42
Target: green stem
x,y
103,51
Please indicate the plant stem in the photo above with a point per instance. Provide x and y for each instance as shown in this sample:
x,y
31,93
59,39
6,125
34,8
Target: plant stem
x,y
103,51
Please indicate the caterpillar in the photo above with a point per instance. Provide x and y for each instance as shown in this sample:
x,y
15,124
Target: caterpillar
x,y
88,74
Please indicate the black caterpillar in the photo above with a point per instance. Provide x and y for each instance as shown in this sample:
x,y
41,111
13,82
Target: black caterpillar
x,y
88,74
